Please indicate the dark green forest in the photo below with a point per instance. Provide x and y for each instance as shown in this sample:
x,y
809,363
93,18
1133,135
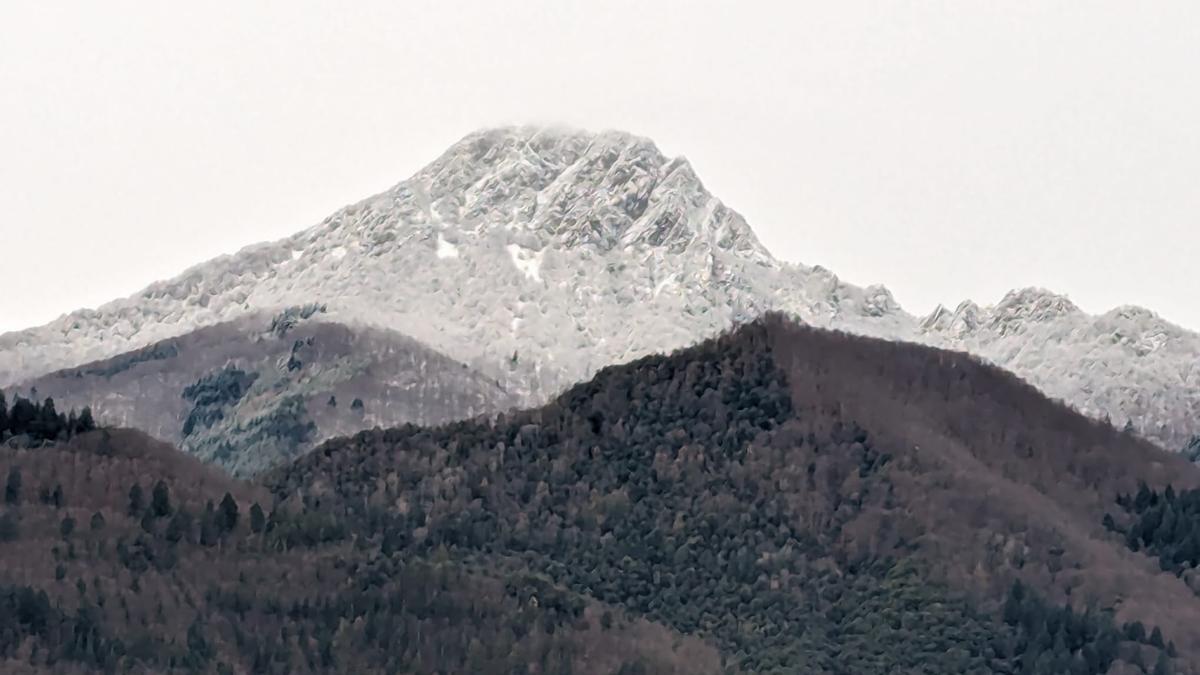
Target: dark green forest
x,y
40,420
1163,524
679,514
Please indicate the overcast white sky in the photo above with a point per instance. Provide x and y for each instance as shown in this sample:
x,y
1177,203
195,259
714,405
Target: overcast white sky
x,y
946,149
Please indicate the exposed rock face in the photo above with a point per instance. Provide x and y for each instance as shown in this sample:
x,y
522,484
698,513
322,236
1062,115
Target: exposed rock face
x,y
538,256
1125,365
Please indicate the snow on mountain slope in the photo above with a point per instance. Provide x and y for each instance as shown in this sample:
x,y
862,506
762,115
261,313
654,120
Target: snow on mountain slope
x,y
569,249
540,255
253,393
1128,365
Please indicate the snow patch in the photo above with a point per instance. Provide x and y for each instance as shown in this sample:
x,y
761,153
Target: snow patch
x,y
338,252
529,262
445,249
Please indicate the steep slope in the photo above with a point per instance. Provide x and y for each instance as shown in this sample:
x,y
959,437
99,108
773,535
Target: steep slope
x,y
810,502
1128,365
145,560
252,393
572,250
566,251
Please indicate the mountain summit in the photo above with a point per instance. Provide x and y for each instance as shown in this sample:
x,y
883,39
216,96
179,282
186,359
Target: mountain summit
x,y
563,249
608,191
539,255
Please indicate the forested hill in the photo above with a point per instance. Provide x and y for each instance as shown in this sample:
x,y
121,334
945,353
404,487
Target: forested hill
x,y
776,500
805,501
256,392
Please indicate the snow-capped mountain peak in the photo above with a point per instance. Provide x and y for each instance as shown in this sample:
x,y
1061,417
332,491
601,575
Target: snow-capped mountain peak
x,y
1031,304
568,188
962,320
538,255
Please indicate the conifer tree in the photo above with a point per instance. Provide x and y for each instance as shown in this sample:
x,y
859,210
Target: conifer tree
x,y
3,414
22,415
1162,666
257,519
137,500
85,422
229,513
12,487
9,528
160,500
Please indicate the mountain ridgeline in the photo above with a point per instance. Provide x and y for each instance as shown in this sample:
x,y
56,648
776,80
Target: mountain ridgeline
x,y
577,250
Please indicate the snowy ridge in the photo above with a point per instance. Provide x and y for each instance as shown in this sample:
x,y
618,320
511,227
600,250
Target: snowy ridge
x,y
540,255
1128,364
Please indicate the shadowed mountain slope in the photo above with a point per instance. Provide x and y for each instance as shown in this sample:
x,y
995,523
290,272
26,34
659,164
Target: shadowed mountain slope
x,y
252,393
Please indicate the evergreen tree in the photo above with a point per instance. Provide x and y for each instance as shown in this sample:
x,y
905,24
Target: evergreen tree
x,y
1109,523
85,422
1144,499
1162,666
3,414
9,528
137,501
12,487
179,526
209,528
1012,605
257,519
198,650
1156,638
160,500
229,513
48,424
22,415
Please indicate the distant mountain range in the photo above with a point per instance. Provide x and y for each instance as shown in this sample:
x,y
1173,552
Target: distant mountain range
x,y
537,256
777,500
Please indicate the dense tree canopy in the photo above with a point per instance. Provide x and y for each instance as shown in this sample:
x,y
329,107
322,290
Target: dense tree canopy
x,y
680,514
41,421
1164,524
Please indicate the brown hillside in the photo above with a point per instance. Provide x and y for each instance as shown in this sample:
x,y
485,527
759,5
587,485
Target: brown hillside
x,y
88,586
797,481
996,480
776,500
